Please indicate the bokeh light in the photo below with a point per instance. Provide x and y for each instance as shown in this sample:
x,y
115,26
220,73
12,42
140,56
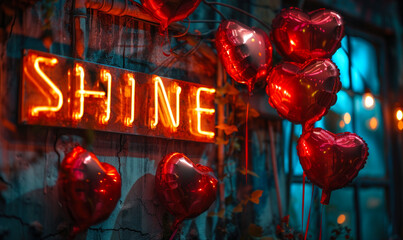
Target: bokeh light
x,y
399,114
347,118
341,219
369,101
373,123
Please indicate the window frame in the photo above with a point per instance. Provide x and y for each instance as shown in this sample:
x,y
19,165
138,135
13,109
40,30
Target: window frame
x,y
379,40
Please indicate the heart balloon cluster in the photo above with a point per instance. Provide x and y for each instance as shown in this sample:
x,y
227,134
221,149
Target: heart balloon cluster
x,y
88,188
304,87
184,188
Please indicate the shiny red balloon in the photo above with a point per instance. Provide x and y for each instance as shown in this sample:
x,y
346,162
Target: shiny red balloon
x,y
245,52
329,160
88,188
168,11
299,36
184,188
303,93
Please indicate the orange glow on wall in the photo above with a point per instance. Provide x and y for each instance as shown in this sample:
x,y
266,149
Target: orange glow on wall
x,y
165,106
50,62
106,76
82,93
201,110
65,92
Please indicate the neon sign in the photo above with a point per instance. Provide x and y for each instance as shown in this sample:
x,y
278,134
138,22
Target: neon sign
x,y
65,92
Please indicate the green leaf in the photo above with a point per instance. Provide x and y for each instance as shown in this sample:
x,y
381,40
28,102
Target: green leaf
x,y
211,214
220,100
240,104
255,196
227,89
253,113
255,230
238,208
228,129
221,213
243,172
219,140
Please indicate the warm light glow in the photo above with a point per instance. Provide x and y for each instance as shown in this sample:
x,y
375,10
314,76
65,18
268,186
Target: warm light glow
x,y
56,91
106,76
400,125
399,114
369,101
342,124
292,42
167,107
200,110
341,219
132,84
66,92
84,93
373,123
347,118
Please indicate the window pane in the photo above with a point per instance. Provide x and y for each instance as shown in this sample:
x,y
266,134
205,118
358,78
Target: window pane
x,y
369,126
374,220
340,211
341,59
286,143
296,165
338,118
364,62
295,209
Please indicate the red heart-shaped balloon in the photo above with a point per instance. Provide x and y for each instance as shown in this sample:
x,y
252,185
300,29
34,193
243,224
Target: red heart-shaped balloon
x,y
303,93
168,11
184,188
299,36
245,52
329,160
89,189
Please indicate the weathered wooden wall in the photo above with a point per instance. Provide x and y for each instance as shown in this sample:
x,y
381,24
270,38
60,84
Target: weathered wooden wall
x,y
30,155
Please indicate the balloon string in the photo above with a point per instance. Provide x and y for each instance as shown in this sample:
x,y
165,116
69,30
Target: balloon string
x,y
174,233
321,216
303,199
274,165
309,214
184,33
215,9
238,10
166,39
246,141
